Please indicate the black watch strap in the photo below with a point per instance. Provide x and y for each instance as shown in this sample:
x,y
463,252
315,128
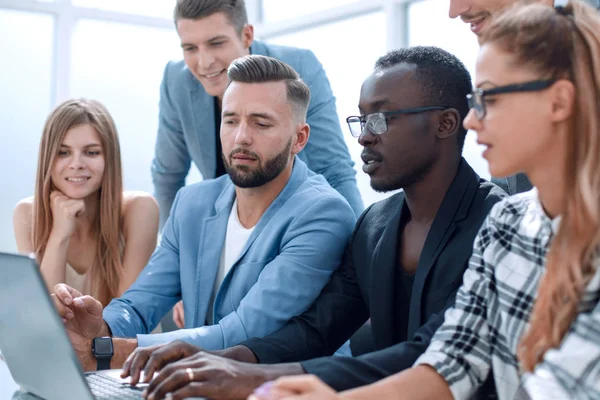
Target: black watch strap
x,y
103,351
103,363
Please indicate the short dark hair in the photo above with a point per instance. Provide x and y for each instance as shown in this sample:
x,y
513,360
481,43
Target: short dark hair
x,y
443,77
259,69
235,10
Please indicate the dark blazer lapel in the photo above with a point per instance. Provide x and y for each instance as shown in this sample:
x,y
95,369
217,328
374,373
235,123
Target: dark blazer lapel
x,y
454,208
383,282
210,248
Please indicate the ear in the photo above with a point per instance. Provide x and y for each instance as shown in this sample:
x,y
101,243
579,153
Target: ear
x,y
562,96
247,35
449,123
302,135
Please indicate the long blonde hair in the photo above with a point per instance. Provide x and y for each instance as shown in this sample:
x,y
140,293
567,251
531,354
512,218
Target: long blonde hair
x,y
107,267
562,43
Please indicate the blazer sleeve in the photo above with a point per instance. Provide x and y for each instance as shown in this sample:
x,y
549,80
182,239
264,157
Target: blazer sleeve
x,y
172,161
155,291
343,373
326,152
287,286
337,313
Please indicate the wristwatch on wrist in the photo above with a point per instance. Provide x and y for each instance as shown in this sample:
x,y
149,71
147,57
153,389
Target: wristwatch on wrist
x,y
102,349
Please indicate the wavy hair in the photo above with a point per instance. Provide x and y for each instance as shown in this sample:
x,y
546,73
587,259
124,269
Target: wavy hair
x,y
562,43
107,268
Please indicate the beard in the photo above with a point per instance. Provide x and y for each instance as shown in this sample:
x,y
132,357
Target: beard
x,y
245,177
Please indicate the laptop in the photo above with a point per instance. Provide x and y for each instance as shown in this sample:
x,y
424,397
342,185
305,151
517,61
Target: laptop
x,y
35,344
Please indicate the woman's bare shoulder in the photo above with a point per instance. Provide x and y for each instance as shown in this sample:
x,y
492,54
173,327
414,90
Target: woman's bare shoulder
x,y
138,206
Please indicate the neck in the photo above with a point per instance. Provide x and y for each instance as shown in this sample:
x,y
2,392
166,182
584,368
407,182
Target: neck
x,y
548,175
424,197
253,202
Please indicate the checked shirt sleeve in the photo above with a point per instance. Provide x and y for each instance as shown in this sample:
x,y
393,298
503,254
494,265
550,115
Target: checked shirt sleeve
x,y
572,371
460,350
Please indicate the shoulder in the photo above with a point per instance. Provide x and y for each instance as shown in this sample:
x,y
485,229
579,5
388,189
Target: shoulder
x,y
508,216
316,195
513,208
488,194
177,75
302,60
316,187
380,212
138,206
210,189
24,208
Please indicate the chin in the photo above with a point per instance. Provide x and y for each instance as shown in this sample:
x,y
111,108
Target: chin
x,y
382,186
501,171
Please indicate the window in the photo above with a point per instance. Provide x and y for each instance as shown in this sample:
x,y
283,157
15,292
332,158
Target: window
x,y
457,39
150,8
123,68
347,62
25,101
278,10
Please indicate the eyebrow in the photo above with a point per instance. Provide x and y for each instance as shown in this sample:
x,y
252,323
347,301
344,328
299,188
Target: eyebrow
x,y
479,85
212,39
85,147
374,106
253,115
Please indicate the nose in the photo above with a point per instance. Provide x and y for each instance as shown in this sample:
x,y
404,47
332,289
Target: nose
x,y
458,7
243,135
205,61
76,161
366,138
471,122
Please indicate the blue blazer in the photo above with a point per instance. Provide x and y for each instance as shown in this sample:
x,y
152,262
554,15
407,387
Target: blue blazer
x,y
288,259
186,130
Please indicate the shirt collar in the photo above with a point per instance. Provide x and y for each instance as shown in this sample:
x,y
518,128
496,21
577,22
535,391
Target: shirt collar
x,y
554,223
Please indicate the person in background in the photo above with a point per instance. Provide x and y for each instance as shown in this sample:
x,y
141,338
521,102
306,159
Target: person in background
x,y
529,309
82,227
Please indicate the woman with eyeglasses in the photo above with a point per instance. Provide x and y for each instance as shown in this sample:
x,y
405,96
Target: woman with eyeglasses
x,y
528,313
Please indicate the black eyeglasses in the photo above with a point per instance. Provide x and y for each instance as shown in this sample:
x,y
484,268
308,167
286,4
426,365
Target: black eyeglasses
x,y
477,103
377,122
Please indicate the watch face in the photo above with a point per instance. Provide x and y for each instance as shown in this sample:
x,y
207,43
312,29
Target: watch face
x,y
103,347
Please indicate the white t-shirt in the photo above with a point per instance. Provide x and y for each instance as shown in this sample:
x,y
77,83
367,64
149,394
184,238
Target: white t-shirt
x,y
235,240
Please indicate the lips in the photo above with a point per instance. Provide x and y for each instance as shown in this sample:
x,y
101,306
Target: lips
x,y
476,22
371,160
77,179
212,75
477,26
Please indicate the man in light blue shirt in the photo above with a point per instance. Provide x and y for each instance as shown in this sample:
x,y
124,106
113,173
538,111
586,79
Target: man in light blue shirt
x,y
293,227
213,33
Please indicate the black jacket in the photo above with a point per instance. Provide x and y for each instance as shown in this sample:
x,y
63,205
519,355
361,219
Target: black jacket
x,y
364,287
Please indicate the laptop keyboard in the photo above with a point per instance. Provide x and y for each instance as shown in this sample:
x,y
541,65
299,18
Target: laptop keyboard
x,y
106,388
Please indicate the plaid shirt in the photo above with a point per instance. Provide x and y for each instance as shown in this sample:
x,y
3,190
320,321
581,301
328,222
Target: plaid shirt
x,y
492,310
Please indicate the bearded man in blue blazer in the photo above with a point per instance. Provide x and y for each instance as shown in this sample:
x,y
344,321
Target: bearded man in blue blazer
x,y
247,251
213,33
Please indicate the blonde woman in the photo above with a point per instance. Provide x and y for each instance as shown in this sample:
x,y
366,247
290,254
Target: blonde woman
x,y
528,313
83,229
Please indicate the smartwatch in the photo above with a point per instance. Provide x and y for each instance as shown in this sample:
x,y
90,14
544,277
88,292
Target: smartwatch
x,y
102,349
